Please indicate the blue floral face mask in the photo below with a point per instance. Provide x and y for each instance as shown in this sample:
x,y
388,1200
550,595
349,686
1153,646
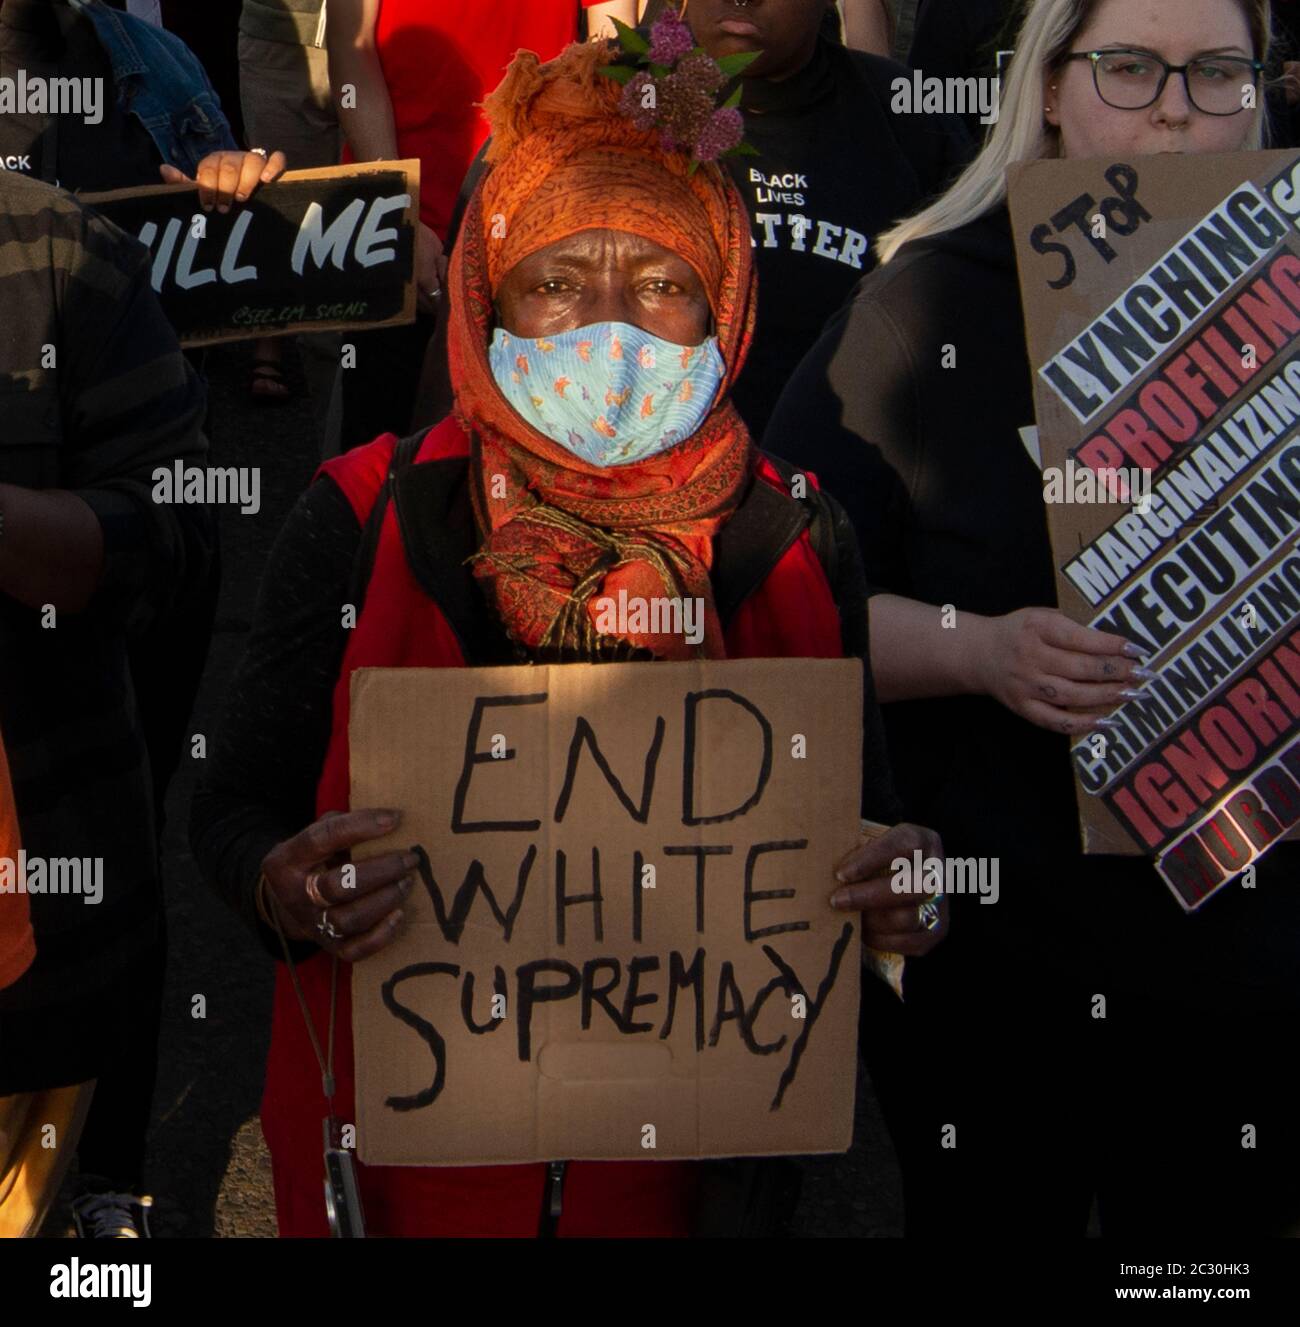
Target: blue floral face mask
x,y
610,393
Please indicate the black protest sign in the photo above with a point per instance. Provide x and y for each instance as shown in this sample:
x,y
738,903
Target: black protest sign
x,y
622,943
317,250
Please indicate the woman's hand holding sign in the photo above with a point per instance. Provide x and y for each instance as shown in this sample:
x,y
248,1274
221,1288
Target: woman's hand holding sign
x,y
320,895
899,923
1039,664
1051,671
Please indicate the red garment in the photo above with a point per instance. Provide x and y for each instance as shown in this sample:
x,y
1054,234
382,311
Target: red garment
x,y
439,61
792,615
17,943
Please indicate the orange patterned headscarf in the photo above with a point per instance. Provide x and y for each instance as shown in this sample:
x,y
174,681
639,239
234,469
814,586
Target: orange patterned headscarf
x,y
558,533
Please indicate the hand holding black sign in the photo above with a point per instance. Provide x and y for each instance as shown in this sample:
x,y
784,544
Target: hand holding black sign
x,y
315,251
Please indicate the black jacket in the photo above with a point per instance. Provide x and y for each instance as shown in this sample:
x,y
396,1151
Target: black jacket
x,y
929,464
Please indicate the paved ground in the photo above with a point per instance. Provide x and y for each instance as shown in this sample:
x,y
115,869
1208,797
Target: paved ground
x,y
209,1171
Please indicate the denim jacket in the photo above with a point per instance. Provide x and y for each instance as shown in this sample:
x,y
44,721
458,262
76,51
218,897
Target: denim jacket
x,y
161,82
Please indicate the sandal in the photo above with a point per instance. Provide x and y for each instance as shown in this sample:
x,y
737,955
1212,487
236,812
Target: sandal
x,y
267,386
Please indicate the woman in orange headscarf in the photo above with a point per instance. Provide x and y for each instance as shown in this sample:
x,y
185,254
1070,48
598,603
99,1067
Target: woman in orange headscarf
x,y
601,302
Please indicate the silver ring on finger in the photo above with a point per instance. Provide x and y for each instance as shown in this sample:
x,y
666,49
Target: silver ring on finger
x,y
313,890
326,927
928,915
260,152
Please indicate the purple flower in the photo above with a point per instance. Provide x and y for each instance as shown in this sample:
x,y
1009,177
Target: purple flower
x,y
724,131
700,72
685,111
643,111
670,39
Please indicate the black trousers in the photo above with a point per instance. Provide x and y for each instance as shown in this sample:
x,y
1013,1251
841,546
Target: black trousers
x,y
1013,1108
110,1035
113,1141
167,666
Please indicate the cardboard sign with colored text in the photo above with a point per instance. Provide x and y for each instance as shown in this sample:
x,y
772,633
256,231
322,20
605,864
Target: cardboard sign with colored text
x,y
316,251
621,945
1162,303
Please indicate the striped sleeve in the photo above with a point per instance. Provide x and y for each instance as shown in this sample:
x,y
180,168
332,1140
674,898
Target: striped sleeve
x,y
132,404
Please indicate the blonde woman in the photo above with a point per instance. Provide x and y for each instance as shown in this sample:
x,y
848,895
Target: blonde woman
x,y
1053,1054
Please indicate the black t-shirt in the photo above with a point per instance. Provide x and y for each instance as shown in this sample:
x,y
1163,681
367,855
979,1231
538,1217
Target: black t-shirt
x,y
929,463
835,168
48,39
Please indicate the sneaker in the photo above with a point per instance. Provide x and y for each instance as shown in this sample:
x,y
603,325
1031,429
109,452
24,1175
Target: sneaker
x,y
112,1216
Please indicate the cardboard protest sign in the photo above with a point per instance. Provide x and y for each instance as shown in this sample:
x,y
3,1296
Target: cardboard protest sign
x,y
317,250
1162,304
622,946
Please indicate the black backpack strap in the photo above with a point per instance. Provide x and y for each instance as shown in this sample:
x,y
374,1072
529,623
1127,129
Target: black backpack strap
x,y
821,513
752,542
767,523
843,563
364,563
435,515
835,542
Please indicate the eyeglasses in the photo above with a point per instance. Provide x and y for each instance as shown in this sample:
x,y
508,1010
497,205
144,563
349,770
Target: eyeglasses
x,y
1134,80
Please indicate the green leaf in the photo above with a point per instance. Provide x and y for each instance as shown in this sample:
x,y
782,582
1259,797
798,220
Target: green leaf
x,y
694,166
619,73
660,71
743,150
630,39
734,100
731,65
